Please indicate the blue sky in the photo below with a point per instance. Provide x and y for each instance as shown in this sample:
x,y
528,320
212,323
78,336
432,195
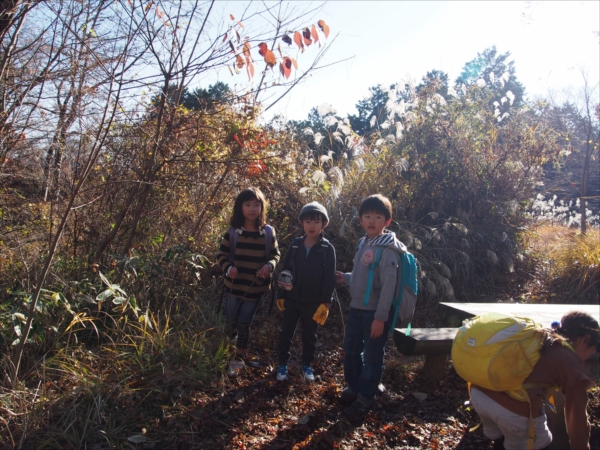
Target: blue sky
x,y
388,41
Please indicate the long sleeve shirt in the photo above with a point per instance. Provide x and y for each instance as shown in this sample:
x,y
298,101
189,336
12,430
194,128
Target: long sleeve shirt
x,y
250,255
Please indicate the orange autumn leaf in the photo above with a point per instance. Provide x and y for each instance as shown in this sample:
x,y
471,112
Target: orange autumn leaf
x,y
250,70
298,39
270,58
239,61
247,51
314,34
294,63
262,49
241,25
324,27
286,66
306,36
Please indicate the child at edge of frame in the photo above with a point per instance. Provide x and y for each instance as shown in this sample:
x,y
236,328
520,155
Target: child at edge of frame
x,y
248,266
371,313
306,283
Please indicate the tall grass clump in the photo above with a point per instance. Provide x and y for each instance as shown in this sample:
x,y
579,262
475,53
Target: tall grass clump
x,y
577,264
568,263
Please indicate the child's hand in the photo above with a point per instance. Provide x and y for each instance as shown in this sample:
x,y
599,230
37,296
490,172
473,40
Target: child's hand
x,y
232,272
264,272
339,277
376,328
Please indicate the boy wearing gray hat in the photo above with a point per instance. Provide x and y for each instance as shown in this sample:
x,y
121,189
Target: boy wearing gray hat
x,y
306,298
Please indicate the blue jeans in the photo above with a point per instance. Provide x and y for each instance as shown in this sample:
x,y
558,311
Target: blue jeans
x,y
239,314
363,356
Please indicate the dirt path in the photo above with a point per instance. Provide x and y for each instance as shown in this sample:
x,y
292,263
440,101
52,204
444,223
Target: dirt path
x,y
255,411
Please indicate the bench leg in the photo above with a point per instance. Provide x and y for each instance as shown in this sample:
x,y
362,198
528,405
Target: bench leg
x,y
435,366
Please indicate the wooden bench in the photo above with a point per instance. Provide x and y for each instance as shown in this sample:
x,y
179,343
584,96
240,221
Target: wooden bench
x,y
434,343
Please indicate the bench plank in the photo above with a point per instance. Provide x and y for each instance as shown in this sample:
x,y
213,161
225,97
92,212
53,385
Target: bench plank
x,y
434,343
424,341
453,314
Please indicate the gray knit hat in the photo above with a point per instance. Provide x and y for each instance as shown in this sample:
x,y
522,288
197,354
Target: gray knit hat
x,y
314,207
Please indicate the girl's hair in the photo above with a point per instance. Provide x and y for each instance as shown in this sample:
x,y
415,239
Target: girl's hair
x,y
574,325
237,218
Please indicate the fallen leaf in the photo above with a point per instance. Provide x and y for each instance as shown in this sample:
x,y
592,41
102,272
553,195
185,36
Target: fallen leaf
x,y
304,420
420,396
137,439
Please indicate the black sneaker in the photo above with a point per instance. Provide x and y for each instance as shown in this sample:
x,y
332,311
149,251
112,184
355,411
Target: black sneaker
x,y
348,396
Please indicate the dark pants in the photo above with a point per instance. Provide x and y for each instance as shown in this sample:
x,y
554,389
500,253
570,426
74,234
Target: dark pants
x,y
239,314
363,356
298,312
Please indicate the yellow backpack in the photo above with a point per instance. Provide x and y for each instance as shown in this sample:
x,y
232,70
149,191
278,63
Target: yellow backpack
x,y
497,351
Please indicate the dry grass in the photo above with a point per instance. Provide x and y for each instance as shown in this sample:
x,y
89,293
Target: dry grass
x,y
569,261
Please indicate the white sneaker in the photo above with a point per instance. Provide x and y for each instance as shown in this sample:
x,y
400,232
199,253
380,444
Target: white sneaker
x,y
282,373
235,368
308,374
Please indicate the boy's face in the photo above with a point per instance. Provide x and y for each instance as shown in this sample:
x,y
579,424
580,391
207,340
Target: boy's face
x,y
374,223
312,227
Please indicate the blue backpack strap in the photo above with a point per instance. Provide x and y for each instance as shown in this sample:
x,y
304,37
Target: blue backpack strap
x,y
232,243
372,267
268,240
408,278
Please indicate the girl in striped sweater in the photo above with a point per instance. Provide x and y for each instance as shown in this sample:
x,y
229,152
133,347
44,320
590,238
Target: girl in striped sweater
x,y
248,260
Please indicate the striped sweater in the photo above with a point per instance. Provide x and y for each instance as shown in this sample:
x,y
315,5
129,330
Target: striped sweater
x,y
248,259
